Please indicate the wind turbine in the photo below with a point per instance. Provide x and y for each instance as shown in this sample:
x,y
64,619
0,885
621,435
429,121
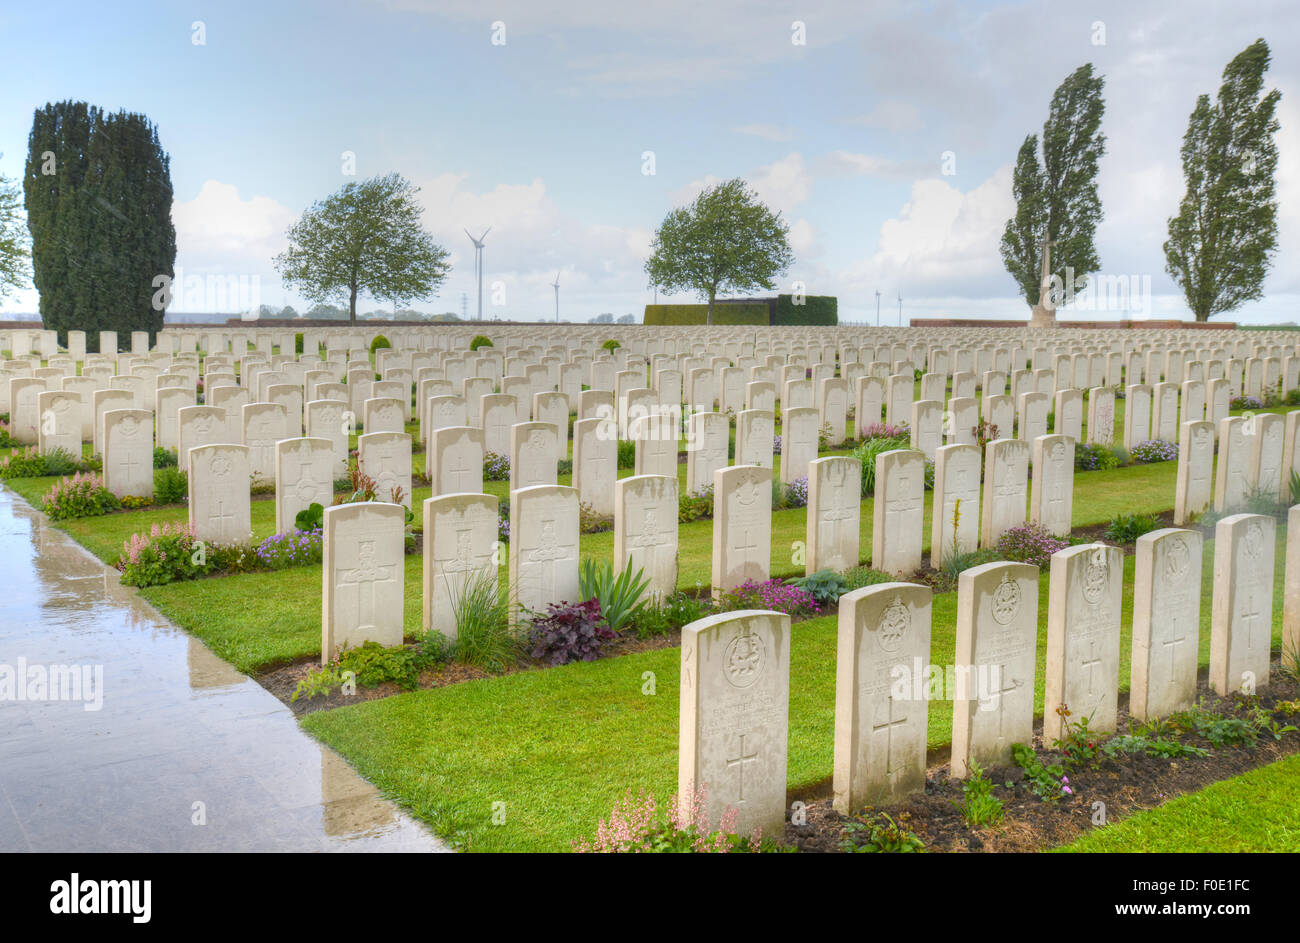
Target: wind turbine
x,y
900,309
478,265
556,286
877,308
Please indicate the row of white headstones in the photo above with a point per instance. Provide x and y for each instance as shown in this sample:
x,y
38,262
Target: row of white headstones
x,y
735,681
306,471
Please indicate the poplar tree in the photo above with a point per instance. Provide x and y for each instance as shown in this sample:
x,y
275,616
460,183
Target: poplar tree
x,y
1056,197
1221,242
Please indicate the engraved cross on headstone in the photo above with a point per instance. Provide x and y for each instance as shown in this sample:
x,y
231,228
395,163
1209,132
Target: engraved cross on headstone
x,y
888,728
1000,694
739,762
364,577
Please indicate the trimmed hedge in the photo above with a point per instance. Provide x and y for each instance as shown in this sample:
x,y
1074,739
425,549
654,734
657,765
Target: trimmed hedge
x,y
819,310
781,311
750,313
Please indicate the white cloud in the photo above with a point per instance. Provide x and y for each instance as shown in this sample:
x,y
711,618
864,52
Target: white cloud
x,y
892,115
841,163
218,224
223,240
768,132
1285,277
943,241
531,238
782,185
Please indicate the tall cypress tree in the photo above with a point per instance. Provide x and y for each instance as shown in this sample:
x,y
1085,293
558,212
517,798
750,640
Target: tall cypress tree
x,y
99,195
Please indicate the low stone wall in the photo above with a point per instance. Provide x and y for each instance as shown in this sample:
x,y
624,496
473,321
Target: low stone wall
x,y
1080,325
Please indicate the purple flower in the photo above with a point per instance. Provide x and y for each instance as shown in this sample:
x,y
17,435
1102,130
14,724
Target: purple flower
x,y
1155,450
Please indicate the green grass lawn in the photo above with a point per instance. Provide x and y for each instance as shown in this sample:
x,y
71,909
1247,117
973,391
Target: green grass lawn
x,y
560,746
260,620
1256,811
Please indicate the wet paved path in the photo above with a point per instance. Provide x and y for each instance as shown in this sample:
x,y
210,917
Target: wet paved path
x,y
177,726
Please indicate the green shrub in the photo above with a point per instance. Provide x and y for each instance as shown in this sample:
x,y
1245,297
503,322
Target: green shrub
x,y
826,586
163,458
979,807
297,343
311,517
29,463
879,834
692,507
379,342
822,310
671,614
626,454
589,522
371,665
170,486
480,340
1094,457
611,345
1048,783
374,664
747,313
1126,528
860,576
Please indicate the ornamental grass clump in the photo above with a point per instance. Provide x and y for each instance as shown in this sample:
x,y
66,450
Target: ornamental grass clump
x,y
1154,450
1029,543
82,495
485,637
868,451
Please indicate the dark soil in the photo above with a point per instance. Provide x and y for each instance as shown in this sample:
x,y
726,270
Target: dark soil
x,y
1127,784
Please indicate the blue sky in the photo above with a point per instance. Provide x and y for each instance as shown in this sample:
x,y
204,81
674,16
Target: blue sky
x,y
541,137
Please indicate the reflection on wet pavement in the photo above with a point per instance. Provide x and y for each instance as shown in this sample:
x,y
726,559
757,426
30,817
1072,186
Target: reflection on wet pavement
x,y
176,752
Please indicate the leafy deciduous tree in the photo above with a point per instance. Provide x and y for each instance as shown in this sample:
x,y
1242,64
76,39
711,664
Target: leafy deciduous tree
x,y
366,238
724,241
14,253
